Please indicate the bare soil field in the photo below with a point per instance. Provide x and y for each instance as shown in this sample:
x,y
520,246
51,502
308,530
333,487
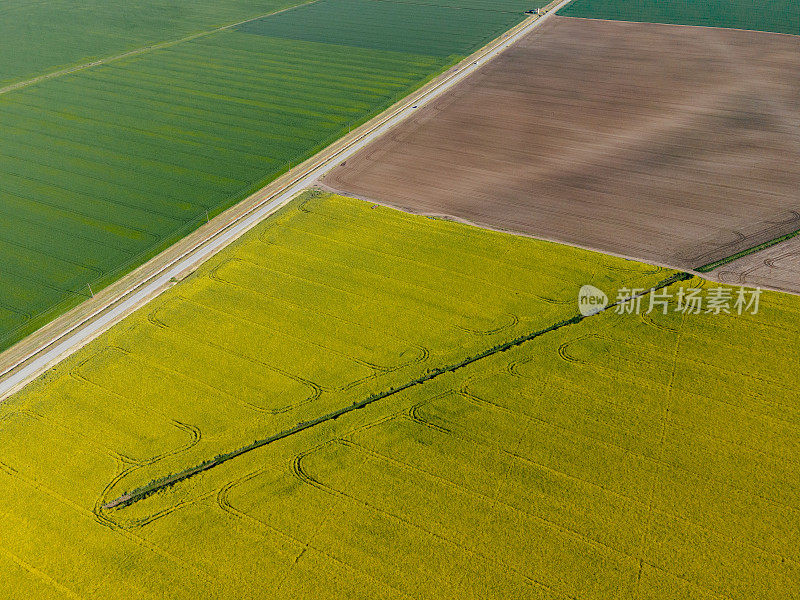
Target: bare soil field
x,y
676,145
777,267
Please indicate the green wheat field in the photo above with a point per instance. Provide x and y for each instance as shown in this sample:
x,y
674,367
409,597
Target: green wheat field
x,y
103,168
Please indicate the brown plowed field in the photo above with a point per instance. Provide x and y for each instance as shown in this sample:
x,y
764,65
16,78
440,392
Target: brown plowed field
x,y
678,145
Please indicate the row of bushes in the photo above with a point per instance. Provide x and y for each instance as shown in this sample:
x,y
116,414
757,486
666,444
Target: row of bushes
x,y
167,481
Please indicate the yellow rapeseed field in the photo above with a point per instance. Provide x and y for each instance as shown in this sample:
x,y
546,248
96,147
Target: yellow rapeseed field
x,y
620,456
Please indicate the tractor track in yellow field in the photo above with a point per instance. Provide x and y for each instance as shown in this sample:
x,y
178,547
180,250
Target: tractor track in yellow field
x,y
163,483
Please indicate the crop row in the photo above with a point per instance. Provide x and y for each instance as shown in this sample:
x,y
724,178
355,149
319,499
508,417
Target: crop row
x,y
371,24
133,155
237,353
74,32
781,16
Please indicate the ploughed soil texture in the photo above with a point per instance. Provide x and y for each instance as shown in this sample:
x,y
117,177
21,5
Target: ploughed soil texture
x,y
676,145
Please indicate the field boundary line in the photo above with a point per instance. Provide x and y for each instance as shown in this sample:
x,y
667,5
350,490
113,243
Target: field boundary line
x,y
139,51
707,268
140,493
52,343
703,272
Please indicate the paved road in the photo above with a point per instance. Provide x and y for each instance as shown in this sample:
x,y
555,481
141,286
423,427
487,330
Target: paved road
x,y
39,361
